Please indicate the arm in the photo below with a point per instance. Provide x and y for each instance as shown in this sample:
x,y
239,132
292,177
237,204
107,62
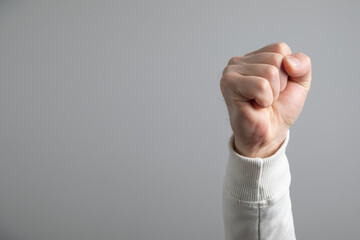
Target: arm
x,y
264,91
256,201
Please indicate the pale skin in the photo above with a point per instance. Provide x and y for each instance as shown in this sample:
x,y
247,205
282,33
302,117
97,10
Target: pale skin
x,y
265,91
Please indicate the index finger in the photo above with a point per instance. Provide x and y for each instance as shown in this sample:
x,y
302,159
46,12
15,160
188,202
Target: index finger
x,y
280,48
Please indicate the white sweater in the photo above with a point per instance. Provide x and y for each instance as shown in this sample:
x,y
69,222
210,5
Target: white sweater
x,y
256,200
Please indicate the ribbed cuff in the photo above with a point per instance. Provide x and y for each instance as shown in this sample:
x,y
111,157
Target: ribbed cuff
x,y
257,179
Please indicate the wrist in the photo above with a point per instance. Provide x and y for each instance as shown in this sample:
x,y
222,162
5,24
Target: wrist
x,y
245,176
260,148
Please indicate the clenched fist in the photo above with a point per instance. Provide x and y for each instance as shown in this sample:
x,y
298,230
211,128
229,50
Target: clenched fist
x,y
265,91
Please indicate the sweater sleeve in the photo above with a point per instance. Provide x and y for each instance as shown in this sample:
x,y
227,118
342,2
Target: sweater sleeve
x,y
256,200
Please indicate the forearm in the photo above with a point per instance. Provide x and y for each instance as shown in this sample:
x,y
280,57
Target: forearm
x,y
256,201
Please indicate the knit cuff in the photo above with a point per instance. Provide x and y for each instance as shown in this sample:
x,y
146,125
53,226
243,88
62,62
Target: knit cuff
x,y
257,179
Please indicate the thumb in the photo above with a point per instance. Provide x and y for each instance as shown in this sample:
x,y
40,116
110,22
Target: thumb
x,y
298,67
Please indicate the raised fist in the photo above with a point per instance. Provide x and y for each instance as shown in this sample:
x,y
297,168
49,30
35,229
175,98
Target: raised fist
x,y
265,91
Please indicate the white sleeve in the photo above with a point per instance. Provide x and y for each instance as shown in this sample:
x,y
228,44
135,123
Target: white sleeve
x,y
256,200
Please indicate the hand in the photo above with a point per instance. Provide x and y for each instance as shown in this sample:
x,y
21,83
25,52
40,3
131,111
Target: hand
x,y
265,91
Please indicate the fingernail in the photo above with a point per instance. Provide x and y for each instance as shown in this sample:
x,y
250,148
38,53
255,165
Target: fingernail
x,y
293,61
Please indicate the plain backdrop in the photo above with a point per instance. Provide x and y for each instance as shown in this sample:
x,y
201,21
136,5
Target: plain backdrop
x,y
113,126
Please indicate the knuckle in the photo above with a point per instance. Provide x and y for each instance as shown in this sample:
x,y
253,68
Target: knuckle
x,y
226,70
262,85
282,48
276,58
306,57
227,79
271,72
234,60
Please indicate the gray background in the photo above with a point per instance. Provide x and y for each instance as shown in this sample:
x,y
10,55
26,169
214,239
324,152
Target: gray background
x,y
113,125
